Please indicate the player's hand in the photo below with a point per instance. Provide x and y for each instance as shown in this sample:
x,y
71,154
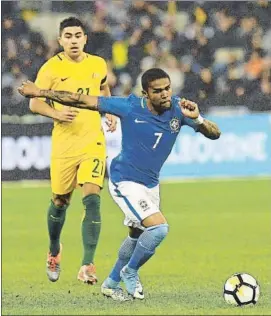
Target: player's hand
x,y
189,109
67,114
29,89
111,122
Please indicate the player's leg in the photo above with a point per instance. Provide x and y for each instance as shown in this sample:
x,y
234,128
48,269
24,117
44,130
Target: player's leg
x,y
63,175
145,248
127,248
90,176
110,286
125,252
141,207
156,230
55,219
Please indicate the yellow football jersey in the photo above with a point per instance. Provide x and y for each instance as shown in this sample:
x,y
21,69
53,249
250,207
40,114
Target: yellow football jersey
x,y
87,76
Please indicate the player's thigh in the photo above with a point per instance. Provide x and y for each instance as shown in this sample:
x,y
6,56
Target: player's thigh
x,y
92,170
63,175
154,194
134,200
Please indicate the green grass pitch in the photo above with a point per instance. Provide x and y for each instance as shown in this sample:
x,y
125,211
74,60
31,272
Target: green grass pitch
x,y
216,229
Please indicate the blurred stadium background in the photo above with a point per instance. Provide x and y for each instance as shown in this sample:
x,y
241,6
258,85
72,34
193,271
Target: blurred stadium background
x,y
217,53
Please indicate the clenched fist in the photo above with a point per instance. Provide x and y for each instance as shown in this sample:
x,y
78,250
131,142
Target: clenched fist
x,y
29,89
189,108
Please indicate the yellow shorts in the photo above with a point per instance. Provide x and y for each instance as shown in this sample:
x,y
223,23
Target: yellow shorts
x,y
67,173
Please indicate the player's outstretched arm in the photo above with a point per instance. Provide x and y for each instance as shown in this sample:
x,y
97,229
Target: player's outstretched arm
x,y
207,128
76,100
30,90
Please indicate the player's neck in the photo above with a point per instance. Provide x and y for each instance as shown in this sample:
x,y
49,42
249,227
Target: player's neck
x,y
77,59
151,108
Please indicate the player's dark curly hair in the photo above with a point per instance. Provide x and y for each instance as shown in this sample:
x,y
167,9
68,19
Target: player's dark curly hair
x,y
151,75
71,21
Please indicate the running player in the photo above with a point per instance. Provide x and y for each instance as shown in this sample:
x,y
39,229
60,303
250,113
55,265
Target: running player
x,y
150,126
78,143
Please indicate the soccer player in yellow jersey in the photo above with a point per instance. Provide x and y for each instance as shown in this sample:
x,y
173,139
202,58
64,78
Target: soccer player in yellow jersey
x,y
78,143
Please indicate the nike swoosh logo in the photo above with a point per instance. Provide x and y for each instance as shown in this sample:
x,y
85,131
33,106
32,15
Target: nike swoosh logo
x,y
55,219
96,222
63,79
138,121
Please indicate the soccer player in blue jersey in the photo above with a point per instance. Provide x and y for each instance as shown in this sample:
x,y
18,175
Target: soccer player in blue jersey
x,y
150,125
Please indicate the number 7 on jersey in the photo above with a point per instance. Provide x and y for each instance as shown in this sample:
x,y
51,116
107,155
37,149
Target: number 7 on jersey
x,y
158,135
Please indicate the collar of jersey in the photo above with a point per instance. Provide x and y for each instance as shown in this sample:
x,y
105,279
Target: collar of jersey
x,y
72,61
143,103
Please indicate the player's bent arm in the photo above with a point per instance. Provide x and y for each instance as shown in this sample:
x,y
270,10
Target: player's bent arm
x,y
209,129
40,107
105,91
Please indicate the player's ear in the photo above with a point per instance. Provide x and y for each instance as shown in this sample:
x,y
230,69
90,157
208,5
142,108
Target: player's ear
x,y
86,38
145,94
59,41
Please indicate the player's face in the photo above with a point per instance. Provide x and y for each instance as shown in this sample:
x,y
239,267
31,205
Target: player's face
x,y
159,94
73,41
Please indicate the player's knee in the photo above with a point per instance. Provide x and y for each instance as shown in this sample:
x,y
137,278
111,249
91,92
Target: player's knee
x,y
159,232
61,201
91,188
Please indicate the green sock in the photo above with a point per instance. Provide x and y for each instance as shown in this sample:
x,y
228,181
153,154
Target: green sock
x,y
55,220
91,226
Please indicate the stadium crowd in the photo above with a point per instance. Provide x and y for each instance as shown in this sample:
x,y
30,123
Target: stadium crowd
x,y
216,53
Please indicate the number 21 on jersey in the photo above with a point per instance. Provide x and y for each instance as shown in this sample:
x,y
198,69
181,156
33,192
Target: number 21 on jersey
x,y
159,136
83,91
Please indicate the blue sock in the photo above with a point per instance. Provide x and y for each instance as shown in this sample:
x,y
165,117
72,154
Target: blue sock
x,y
148,241
125,252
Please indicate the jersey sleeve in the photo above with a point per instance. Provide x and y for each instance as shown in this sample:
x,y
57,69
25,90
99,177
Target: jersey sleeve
x,y
44,79
104,73
118,106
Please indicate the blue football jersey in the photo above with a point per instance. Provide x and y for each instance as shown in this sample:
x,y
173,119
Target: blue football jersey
x,y
147,139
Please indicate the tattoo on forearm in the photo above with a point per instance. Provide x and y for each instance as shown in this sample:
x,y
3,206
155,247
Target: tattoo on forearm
x,y
67,98
209,129
61,96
